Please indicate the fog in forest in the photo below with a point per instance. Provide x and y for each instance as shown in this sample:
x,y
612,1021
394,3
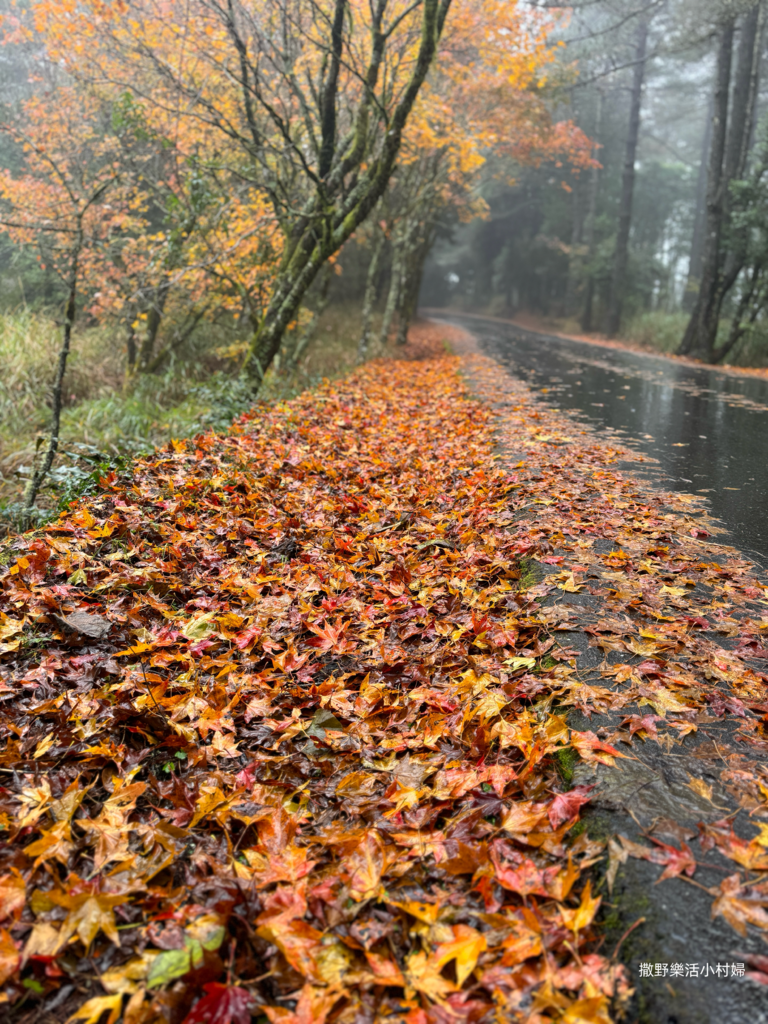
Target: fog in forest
x,y
671,224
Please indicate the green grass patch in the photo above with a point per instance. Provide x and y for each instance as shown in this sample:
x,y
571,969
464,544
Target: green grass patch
x,y
108,419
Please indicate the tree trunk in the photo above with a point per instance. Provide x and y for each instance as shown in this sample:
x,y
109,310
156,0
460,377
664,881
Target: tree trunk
x,y
589,222
738,326
574,260
131,349
406,299
154,319
621,256
40,472
176,342
303,343
409,301
700,217
728,157
371,290
395,285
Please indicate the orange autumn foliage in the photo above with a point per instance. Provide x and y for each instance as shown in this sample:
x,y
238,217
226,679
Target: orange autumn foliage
x,y
218,156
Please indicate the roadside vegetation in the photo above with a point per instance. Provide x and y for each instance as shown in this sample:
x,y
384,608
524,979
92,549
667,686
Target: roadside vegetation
x,y
107,418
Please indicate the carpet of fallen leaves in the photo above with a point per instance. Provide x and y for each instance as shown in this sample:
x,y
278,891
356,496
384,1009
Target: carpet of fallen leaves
x,y
284,715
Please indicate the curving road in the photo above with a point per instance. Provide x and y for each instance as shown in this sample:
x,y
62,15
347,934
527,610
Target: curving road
x,y
708,429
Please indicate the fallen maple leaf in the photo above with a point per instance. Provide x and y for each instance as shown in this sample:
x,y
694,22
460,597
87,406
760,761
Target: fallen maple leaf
x,y
54,844
12,895
10,958
365,865
590,748
738,910
91,1011
88,915
313,1007
524,878
422,973
579,918
221,1004
523,817
465,949
675,861
385,971
565,806
595,1010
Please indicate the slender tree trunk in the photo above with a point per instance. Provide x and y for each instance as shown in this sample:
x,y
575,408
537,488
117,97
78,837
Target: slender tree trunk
x,y
154,319
730,146
738,326
41,471
371,290
405,298
697,325
395,285
176,342
131,349
409,300
574,259
700,217
621,256
589,222
309,332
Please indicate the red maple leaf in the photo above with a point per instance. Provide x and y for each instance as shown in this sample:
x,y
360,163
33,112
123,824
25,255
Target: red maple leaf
x,y
565,806
222,1004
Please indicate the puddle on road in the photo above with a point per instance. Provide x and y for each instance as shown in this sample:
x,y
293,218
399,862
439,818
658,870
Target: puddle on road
x,y
707,430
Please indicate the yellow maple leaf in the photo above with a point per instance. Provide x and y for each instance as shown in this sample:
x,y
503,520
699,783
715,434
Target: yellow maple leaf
x,y
54,843
700,787
578,918
34,800
43,940
465,948
569,584
422,973
523,817
211,796
91,1011
88,915
126,979
587,1011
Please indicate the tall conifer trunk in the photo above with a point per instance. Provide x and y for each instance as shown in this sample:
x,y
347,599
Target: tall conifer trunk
x,y
732,125
621,255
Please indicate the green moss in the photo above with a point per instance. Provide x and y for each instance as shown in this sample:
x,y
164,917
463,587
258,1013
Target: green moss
x,y
530,574
566,760
598,826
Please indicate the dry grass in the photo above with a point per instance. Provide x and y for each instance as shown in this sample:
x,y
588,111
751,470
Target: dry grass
x,y
104,419
29,345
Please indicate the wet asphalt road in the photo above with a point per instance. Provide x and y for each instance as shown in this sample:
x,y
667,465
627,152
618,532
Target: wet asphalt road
x,y
707,429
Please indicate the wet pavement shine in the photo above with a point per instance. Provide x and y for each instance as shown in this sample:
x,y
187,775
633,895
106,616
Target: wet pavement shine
x,y
707,429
